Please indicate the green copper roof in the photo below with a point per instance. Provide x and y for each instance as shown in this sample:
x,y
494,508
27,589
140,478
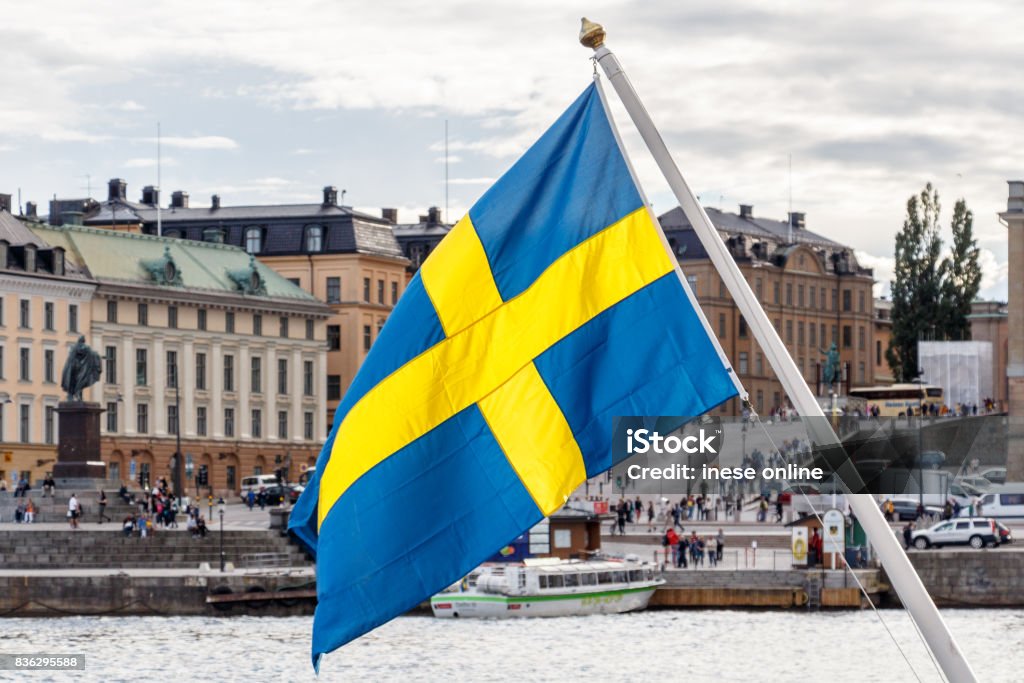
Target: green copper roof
x,y
131,258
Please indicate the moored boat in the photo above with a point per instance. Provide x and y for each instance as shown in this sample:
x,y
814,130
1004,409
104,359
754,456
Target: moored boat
x,y
549,587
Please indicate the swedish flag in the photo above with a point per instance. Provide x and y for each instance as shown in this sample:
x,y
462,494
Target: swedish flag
x,y
550,308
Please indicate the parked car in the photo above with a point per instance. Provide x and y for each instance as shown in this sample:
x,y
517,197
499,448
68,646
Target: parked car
x,y
1005,535
996,475
275,493
979,483
1007,501
977,533
906,508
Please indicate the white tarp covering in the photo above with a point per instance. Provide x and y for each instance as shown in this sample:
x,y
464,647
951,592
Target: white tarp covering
x,y
962,368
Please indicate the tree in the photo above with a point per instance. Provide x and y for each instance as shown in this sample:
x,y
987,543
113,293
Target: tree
x,y
917,290
961,275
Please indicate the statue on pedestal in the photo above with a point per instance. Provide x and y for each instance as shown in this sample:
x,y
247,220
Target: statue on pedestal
x,y
830,371
81,370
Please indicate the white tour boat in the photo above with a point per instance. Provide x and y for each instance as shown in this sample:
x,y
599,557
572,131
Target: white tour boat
x,y
549,587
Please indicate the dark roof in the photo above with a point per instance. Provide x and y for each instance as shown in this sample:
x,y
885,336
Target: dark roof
x,y
256,213
731,223
16,233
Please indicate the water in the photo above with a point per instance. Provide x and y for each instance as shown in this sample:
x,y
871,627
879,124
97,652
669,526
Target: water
x,y
648,646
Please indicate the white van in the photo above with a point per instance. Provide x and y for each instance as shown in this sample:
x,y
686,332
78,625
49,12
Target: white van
x,y
1005,501
256,482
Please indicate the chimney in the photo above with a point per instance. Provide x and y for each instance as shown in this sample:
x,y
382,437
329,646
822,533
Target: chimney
x,y
434,214
390,215
330,196
5,202
117,190
30,210
179,199
215,202
746,211
796,219
1015,202
150,195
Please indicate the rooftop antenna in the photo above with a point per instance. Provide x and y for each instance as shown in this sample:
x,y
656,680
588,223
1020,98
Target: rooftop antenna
x,y
445,170
789,213
159,221
343,197
88,185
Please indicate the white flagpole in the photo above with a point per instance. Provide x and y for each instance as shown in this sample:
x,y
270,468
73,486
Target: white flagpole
x,y
897,566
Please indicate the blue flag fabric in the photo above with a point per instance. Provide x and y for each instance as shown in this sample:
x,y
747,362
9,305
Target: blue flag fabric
x,y
489,396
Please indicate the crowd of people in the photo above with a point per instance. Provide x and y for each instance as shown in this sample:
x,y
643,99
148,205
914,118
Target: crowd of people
x,y
691,551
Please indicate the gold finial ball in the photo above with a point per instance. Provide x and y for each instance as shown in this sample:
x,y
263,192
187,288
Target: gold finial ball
x,y
591,34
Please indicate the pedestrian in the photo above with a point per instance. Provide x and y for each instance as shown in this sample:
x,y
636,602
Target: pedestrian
x,y
650,516
30,511
814,545
73,510
719,545
3,485
250,499
128,525
123,493
49,486
712,554
778,509
262,498
103,507
908,535
620,512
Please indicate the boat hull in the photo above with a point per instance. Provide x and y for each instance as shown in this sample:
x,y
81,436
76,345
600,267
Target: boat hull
x,y
489,606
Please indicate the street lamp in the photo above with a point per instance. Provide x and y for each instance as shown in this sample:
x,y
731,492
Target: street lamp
x,y
176,474
920,440
220,511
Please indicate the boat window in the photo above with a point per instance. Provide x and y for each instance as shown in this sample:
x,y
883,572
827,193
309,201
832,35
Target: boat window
x,y
572,580
619,577
543,581
588,579
636,575
555,582
649,574
604,577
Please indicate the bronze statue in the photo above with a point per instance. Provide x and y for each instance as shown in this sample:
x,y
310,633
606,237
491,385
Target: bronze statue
x,y
81,370
830,373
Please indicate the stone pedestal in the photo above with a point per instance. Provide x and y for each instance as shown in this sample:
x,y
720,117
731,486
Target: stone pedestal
x,y
78,454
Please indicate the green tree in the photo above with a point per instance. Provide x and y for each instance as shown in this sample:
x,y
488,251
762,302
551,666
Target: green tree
x,y
917,290
961,275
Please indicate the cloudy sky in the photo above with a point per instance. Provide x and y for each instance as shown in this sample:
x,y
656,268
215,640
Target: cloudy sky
x,y
268,102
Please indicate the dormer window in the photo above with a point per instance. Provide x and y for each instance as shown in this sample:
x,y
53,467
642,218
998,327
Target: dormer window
x,y
30,258
4,244
58,261
314,238
213,235
253,240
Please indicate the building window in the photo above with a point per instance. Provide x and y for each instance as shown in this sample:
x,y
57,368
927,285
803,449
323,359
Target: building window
x,y
282,327
860,373
141,368
307,426
142,418
380,326
822,296
800,296
282,376
366,289
143,314
172,369
314,238
380,291
307,377
111,311
860,301
743,327
1,364
823,339
257,325
24,423
25,364
812,331
789,331
760,401
366,338
789,293
334,337
394,293
229,373
759,364
172,419
861,339
721,325
229,322
721,289
201,319
229,422
743,363
691,280
200,420
847,336
835,334
253,240
310,329
48,370
282,424
777,292
112,417
49,413
333,387
256,375
835,299
110,363
172,317
812,299
878,353
25,319
800,333
847,300
201,371
759,289
72,318
257,423
1,309
48,323
334,290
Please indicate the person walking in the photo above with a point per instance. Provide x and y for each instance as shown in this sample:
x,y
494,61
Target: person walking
x,y
719,545
650,516
73,511
103,507
250,499
908,535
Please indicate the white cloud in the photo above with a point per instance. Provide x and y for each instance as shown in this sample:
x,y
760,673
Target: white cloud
x,y
197,142
149,162
472,181
130,105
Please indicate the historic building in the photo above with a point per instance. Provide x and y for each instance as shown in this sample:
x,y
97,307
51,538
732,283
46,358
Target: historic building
x,y
203,342
881,336
990,322
1013,218
417,240
347,259
44,307
811,287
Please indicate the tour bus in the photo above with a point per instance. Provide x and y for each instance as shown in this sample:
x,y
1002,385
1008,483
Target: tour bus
x,y
896,400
